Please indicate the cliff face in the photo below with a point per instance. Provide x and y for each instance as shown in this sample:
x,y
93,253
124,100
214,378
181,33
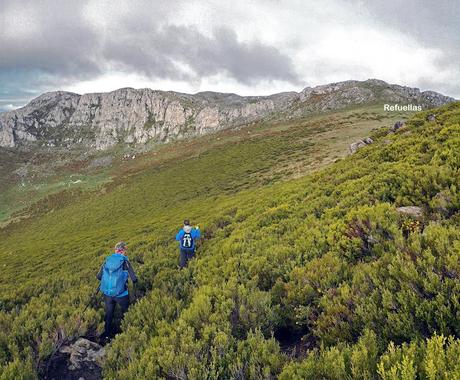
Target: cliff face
x,y
125,116
101,120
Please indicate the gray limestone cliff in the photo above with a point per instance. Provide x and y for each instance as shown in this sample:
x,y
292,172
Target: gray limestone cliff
x,y
129,116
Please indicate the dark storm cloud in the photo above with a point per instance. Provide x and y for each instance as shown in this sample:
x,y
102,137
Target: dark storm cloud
x,y
44,45
56,39
162,50
64,46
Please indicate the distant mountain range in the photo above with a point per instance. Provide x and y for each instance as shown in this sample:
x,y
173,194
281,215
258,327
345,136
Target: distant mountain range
x,y
129,116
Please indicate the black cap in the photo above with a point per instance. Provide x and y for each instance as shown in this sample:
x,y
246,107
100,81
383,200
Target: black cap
x,y
186,222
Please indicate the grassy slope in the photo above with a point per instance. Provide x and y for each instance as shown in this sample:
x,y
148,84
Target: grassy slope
x,y
28,177
49,173
303,218
215,165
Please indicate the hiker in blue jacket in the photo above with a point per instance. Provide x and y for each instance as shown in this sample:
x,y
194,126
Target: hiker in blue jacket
x,y
187,237
114,275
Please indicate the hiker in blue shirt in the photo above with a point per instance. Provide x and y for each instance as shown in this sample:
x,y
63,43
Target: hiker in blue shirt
x,y
114,275
187,237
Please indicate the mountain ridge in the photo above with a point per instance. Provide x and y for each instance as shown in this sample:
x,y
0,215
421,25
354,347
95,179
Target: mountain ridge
x,y
98,121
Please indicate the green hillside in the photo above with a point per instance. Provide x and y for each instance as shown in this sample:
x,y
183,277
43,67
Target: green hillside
x,y
298,146
298,278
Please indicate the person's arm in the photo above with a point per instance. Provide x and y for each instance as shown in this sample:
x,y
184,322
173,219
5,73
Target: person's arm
x,y
99,274
129,268
179,235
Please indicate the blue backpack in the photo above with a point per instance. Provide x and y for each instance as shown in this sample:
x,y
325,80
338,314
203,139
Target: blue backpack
x,y
114,277
187,242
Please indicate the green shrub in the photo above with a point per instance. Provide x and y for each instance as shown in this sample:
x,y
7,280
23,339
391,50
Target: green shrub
x,y
357,289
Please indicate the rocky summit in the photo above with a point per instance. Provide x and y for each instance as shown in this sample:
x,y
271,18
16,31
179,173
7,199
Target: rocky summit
x,y
129,116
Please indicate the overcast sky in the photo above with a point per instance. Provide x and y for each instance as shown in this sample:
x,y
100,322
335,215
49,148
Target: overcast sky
x,y
250,47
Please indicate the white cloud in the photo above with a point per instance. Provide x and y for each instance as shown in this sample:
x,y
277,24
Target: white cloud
x,y
327,41
218,83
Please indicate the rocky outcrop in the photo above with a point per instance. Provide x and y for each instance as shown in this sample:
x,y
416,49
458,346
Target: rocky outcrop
x,y
125,116
431,117
128,116
82,359
343,94
398,125
413,211
84,353
43,119
360,144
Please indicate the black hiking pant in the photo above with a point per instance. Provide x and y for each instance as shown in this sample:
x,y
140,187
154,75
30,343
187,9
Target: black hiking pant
x,y
185,257
110,303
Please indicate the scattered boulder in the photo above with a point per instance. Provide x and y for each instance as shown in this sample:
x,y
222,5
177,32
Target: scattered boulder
x,y
413,211
82,359
399,124
360,144
431,117
83,351
368,140
356,145
22,171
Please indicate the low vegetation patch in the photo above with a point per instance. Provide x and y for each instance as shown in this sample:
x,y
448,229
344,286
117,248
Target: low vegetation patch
x,y
363,290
